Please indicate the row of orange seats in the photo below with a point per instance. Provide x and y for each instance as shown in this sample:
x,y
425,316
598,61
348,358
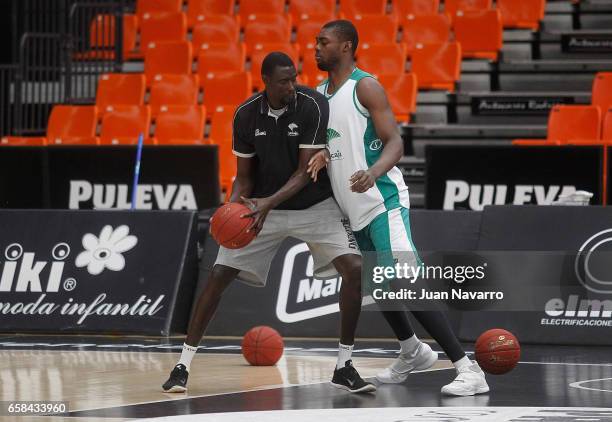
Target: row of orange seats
x,y
480,33
478,27
436,66
224,80
219,90
516,13
122,125
581,124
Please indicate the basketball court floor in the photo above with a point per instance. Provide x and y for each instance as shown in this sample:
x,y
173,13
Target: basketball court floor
x,y
106,378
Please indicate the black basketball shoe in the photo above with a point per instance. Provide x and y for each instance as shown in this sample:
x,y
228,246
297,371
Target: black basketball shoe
x,y
177,383
348,379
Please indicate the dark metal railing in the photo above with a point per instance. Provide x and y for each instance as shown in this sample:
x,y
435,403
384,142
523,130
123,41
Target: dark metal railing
x,y
41,81
61,48
7,98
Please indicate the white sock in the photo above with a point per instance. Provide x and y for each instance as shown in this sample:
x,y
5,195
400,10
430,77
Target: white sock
x,y
187,355
344,354
410,344
462,363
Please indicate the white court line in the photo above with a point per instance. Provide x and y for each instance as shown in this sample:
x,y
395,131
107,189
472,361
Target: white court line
x,y
578,384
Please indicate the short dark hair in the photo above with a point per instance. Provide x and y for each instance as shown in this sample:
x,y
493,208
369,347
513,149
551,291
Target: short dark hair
x,y
345,30
274,59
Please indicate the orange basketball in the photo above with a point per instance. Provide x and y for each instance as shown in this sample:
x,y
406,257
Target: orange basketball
x,y
497,351
229,229
262,346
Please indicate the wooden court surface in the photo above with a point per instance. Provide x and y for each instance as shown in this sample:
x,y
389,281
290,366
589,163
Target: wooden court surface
x,y
104,379
112,378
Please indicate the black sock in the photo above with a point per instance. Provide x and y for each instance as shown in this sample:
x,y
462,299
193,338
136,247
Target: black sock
x,y
398,321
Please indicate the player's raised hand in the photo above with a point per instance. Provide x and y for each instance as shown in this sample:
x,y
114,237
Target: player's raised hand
x,y
361,181
317,162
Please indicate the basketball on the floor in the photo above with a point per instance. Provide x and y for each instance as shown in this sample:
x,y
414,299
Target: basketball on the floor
x,y
262,346
229,229
497,351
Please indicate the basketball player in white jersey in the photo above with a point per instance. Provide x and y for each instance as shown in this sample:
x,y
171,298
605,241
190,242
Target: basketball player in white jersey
x,y
363,147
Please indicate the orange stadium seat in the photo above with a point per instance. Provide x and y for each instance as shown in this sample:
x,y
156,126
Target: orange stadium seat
x,y
607,127
120,89
307,33
166,27
382,58
459,7
23,141
180,124
480,34
199,10
402,94
72,125
173,90
221,134
570,124
426,29
102,37
350,9
602,90
376,29
168,57
574,123
406,9
521,13
227,89
251,8
215,58
437,66
221,125
215,29
267,29
311,71
157,7
259,55
302,11
124,124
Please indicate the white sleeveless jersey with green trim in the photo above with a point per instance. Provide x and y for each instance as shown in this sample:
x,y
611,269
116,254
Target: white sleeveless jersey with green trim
x,y
354,145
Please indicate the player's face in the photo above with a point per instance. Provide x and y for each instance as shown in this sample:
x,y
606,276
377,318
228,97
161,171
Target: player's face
x,y
280,86
328,49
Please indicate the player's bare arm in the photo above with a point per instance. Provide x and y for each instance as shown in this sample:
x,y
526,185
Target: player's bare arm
x,y
372,96
243,183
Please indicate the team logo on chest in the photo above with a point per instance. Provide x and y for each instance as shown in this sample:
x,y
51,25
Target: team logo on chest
x,y
332,134
260,132
292,130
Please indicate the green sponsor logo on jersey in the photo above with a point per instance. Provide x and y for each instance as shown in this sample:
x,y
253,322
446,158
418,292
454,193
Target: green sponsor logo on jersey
x,y
332,134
